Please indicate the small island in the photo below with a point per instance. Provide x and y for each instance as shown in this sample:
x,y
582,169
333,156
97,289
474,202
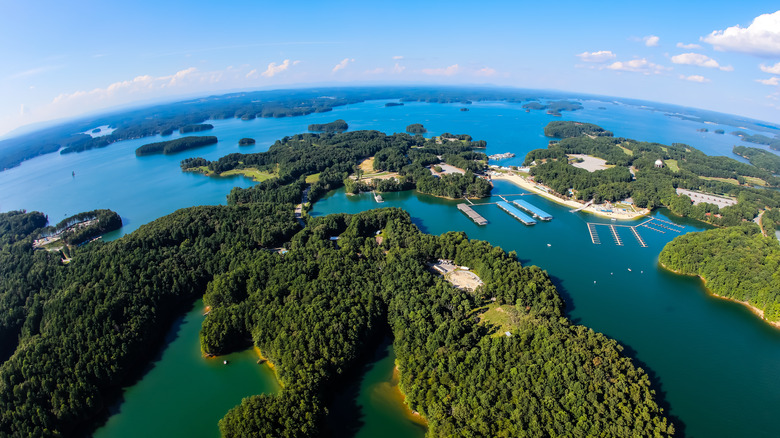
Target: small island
x,y
96,130
719,131
173,146
464,109
416,128
246,141
195,128
565,129
336,126
389,104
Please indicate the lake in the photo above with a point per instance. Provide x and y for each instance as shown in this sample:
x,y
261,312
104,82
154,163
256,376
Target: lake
x,y
713,361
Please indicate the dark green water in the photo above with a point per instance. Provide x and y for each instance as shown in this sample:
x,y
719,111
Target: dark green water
x,y
714,362
183,393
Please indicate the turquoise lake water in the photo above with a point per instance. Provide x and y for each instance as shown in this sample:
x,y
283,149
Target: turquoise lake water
x,y
713,361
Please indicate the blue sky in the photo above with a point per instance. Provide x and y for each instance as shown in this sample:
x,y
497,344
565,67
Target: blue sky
x,y
64,59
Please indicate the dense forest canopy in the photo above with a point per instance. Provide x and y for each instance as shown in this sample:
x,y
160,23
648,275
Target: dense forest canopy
x,y
684,167
173,146
335,126
246,141
78,330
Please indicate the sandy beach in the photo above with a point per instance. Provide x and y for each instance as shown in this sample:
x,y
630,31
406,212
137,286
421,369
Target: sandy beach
x,y
592,209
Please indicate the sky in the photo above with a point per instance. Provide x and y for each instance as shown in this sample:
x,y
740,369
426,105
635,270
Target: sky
x,y
65,59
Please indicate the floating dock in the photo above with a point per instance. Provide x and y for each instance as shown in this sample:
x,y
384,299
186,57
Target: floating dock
x,y
534,210
519,215
616,236
638,238
594,235
473,215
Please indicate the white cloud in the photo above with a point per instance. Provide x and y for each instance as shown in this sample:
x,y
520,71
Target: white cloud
x,y
600,56
139,84
252,74
274,69
343,64
694,78
448,71
699,60
771,69
688,46
638,66
774,80
398,68
651,40
398,57
22,111
761,38
485,71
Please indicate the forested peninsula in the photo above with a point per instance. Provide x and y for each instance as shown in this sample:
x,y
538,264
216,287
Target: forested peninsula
x,y
330,161
738,263
759,158
86,326
650,173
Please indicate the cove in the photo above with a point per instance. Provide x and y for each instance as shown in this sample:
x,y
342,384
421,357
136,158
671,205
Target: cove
x,y
183,393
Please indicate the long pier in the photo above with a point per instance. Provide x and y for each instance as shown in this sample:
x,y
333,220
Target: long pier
x,y
473,215
594,235
638,238
615,235
519,215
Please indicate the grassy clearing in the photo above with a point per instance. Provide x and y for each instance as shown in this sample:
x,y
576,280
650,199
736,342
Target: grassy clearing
x,y
367,166
505,317
673,165
311,179
725,180
250,172
755,181
627,150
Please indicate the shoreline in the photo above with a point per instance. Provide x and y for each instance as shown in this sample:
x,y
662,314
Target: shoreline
x,y
755,310
531,187
413,416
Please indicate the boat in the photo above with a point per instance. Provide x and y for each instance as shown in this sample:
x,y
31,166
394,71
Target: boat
x,y
224,362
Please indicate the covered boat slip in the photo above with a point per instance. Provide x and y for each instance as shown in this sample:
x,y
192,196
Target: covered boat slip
x,y
519,215
534,210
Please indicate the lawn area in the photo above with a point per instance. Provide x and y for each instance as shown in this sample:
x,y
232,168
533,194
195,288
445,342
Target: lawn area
x,y
311,179
506,317
755,181
250,172
626,150
725,180
673,165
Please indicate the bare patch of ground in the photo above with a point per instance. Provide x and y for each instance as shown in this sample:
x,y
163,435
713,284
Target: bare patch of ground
x,y
591,164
